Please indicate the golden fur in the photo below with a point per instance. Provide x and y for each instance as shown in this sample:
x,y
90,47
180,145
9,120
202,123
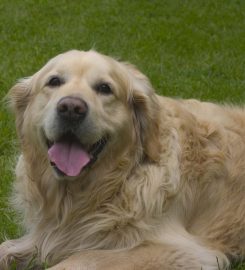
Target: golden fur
x,y
167,192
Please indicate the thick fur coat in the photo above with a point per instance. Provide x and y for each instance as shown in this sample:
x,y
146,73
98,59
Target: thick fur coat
x,y
165,190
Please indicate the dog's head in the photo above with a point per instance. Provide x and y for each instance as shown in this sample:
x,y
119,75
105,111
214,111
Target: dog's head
x,y
82,107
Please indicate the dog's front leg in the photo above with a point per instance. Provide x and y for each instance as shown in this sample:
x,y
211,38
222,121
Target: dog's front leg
x,y
144,257
16,253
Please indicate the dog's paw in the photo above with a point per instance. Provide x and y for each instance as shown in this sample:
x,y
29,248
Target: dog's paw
x,y
6,261
4,250
6,258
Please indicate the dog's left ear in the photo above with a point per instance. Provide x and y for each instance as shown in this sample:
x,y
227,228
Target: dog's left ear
x,y
146,113
18,97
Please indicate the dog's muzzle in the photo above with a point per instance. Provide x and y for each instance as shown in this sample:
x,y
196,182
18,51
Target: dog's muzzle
x,y
68,154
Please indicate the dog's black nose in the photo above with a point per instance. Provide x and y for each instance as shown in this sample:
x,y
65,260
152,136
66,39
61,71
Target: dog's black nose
x,y
72,108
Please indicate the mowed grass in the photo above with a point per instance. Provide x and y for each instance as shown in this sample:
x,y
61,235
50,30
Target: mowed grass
x,y
189,49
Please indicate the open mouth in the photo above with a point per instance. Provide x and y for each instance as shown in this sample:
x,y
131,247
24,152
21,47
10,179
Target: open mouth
x,y
69,157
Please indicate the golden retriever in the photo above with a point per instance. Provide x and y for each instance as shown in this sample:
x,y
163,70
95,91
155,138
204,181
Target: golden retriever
x,y
113,176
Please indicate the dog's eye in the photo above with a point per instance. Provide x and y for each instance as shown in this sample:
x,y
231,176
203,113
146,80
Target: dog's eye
x,y
55,81
103,88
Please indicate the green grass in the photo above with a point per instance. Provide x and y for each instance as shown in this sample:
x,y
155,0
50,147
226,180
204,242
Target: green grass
x,y
187,48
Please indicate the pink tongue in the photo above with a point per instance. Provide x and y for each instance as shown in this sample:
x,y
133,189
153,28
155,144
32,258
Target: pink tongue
x,y
70,158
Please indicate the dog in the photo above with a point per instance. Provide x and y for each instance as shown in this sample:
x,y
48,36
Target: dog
x,y
113,176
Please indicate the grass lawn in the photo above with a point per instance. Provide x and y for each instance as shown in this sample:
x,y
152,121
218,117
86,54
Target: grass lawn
x,y
193,48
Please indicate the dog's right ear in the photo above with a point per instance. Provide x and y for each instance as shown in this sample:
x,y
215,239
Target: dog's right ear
x,y
18,98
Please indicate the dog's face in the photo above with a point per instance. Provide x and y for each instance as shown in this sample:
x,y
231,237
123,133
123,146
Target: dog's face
x,y
82,107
